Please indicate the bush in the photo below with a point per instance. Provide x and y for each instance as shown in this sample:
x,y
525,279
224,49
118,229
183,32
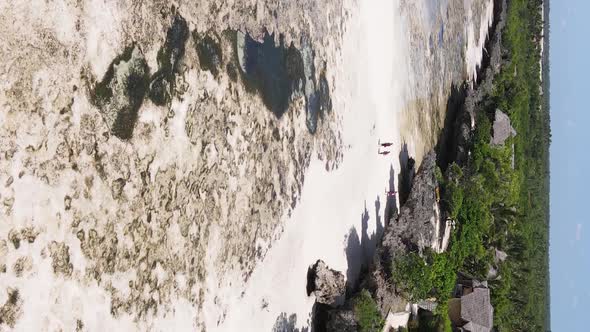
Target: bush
x,y
453,192
411,274
367,313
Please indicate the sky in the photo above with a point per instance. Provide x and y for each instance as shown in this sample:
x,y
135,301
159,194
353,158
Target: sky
x,y
570,162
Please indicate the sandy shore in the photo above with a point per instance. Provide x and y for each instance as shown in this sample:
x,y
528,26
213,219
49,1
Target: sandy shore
x,y
208,217
375,79
372,78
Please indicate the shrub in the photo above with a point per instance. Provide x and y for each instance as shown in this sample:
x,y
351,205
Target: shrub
x,y
367,313
411,274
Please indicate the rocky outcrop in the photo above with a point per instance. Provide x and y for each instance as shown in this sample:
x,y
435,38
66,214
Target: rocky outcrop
x,y
11,311
499,256
328,286
341,320
169,56
60,257
120,93
281,72
465,102
416,228
209,52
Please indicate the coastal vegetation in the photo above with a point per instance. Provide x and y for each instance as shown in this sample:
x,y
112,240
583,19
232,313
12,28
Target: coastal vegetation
x,y
367,313
499,198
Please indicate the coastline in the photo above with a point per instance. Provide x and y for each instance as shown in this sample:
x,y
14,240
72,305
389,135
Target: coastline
x,y
333,203
326,220
192,223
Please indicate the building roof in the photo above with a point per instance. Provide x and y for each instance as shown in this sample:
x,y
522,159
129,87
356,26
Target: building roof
x,y
477,311
502,128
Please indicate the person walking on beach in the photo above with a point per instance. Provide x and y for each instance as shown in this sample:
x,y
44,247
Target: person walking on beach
x,y
385,145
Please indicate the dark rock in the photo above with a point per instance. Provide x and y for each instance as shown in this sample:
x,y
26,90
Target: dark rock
x,y
294,63
209,52
418,216
278,72
270,69
231,72
176,38
286,323
120,93
324,92
413,230
314,111
463,141
329,286
11,311
60,256
117,187
319,317
160,89
169,56
15,237
67,202
341,320
406,174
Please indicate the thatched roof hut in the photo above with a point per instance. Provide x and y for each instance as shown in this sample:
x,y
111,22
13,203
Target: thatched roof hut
x,y
502,128
477,311
473,311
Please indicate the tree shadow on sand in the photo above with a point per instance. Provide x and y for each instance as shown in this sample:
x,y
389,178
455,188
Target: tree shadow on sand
x,y
354,257
360,250
379,223
391,202
406,174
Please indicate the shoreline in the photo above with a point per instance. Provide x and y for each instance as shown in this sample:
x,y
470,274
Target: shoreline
x,y
326,230
321,225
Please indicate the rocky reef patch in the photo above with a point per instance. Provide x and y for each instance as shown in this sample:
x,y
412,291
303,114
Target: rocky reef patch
x,y
279,72
135,166
120,93
163,81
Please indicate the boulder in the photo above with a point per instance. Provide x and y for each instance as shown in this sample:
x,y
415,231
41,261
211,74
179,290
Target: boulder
x,y
162,82
329,286
417,227
341,320
120,93
209,52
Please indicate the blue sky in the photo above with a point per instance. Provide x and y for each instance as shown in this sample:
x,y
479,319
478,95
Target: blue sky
x,y
570,162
